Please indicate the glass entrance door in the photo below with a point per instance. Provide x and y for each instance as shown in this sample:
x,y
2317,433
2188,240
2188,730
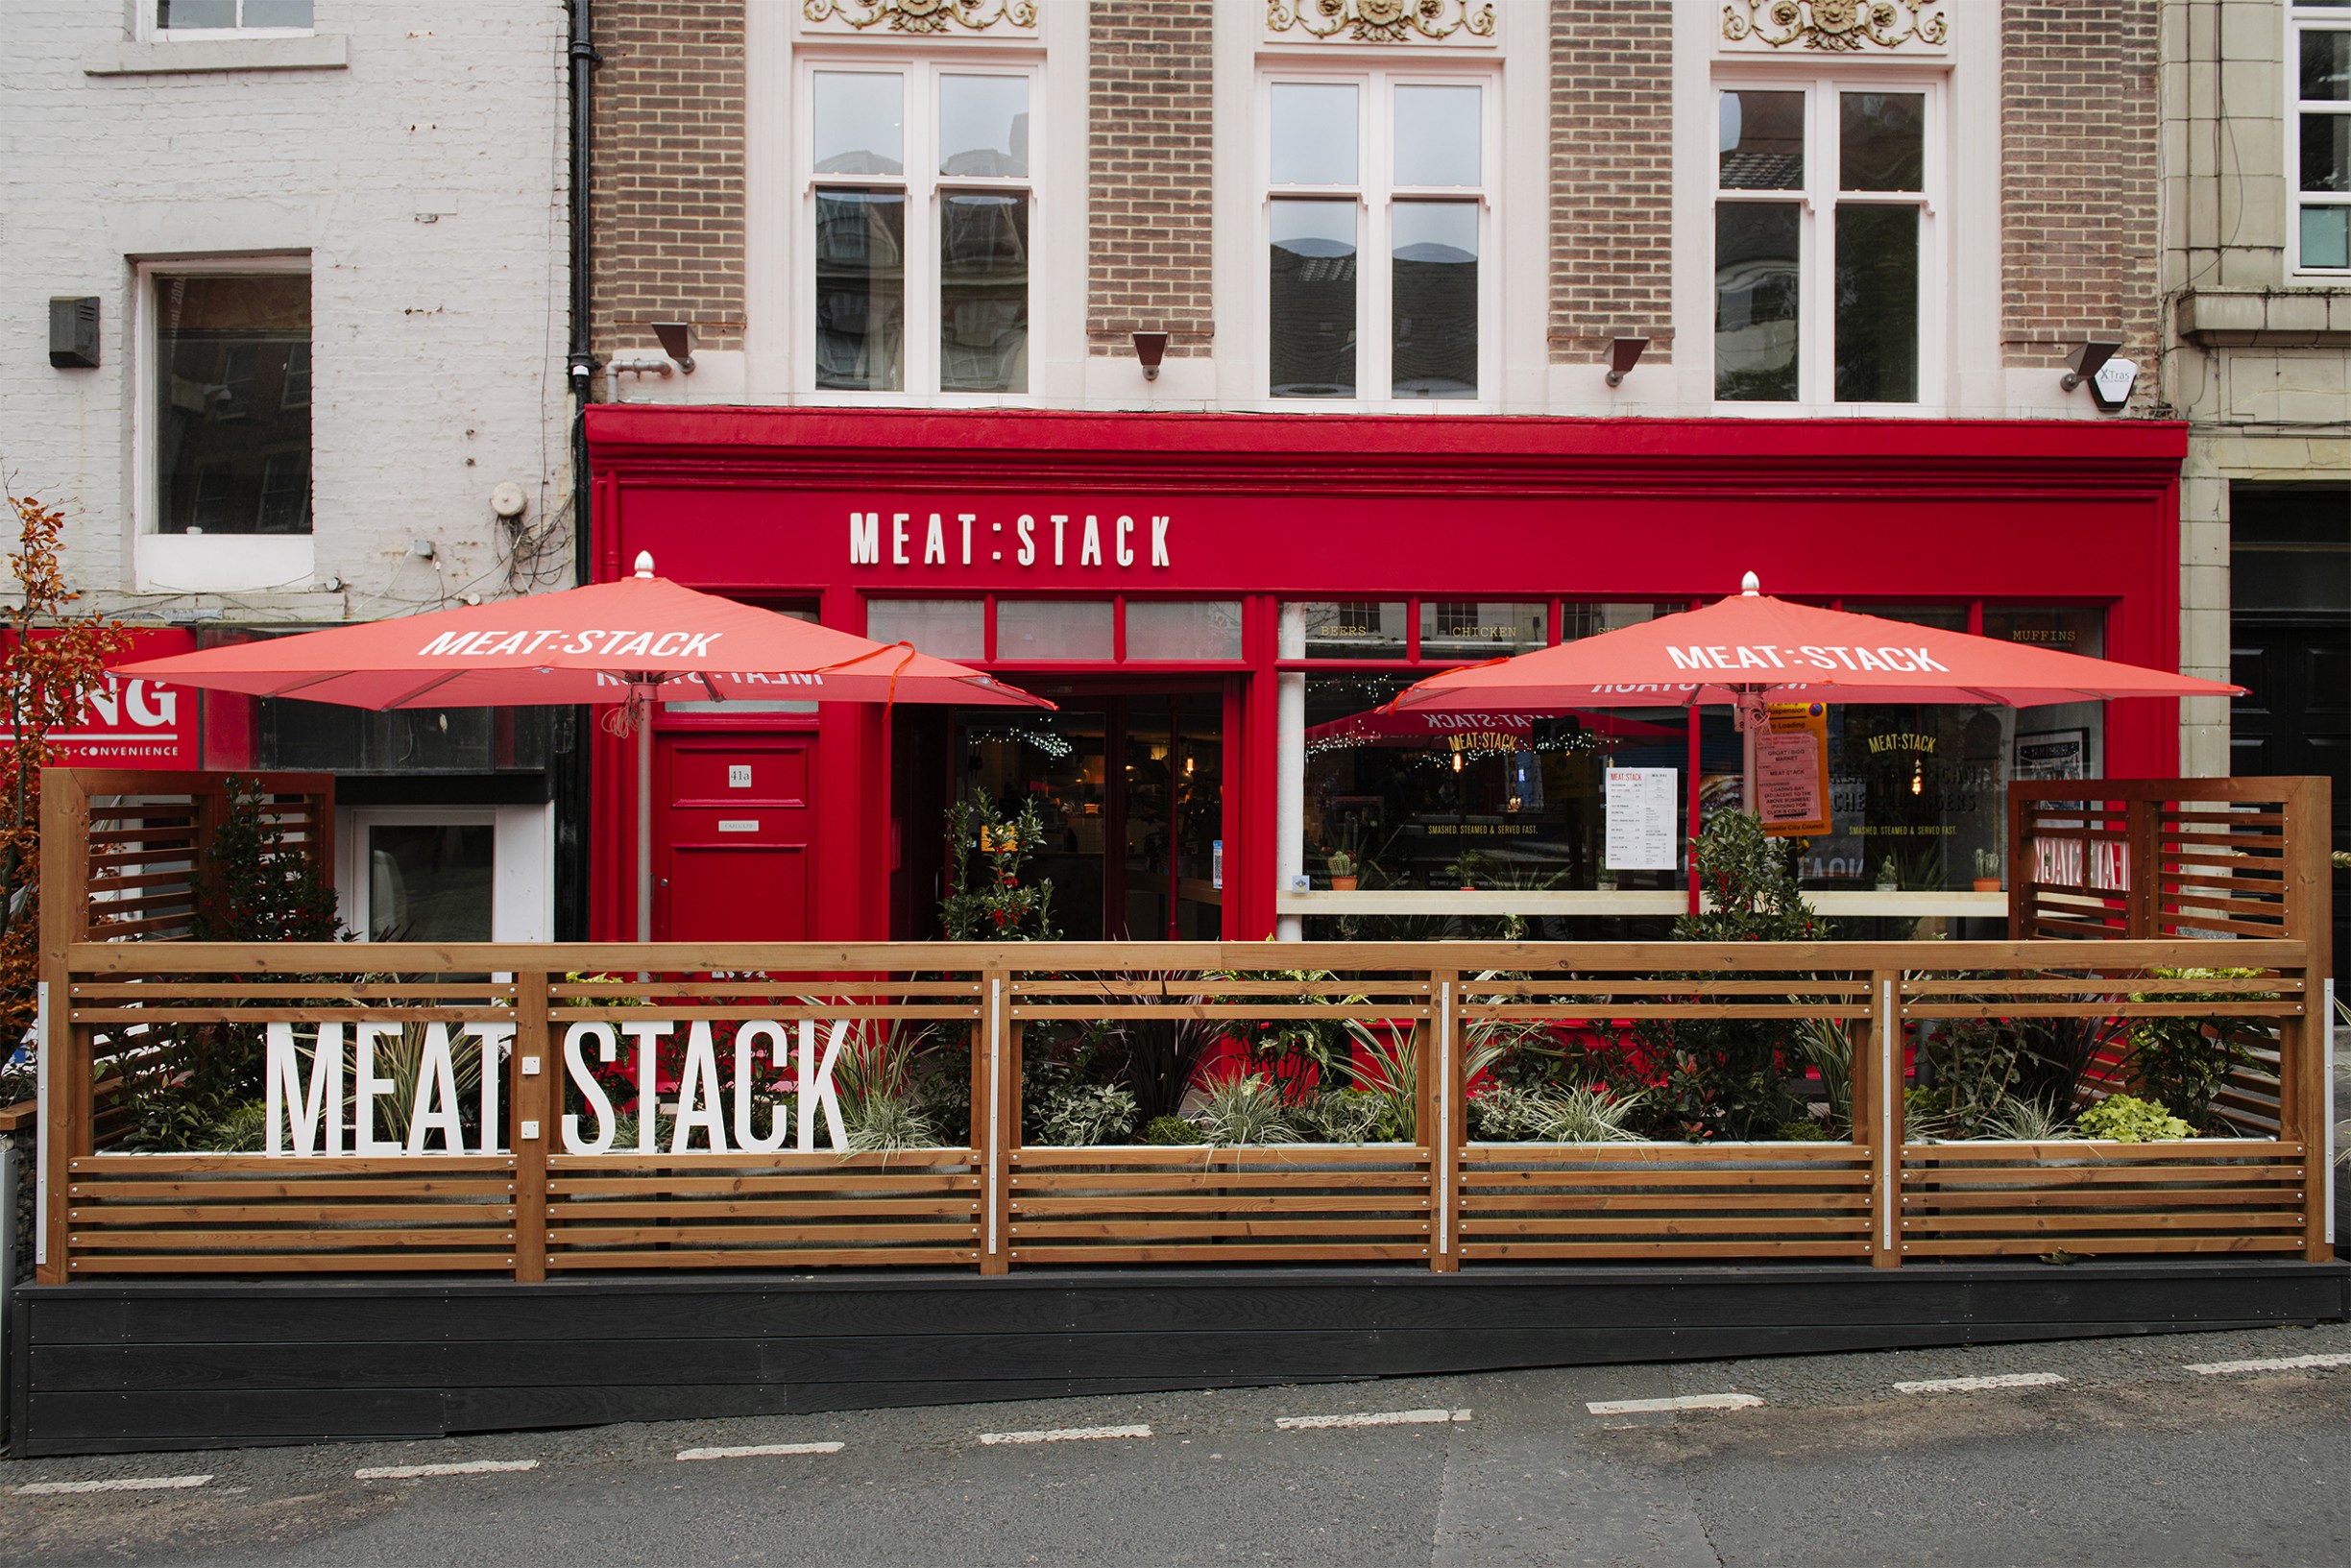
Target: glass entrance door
x,y
1131,790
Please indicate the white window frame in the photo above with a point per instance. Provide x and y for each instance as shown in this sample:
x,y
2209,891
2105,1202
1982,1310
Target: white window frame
x,y
523,857
2303,19
207,563
922,184
1374,194
150,17
1816,250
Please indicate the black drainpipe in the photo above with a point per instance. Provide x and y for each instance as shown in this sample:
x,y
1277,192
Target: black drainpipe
x,y
568,766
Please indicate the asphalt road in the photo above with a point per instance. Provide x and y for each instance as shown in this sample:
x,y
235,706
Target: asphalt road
x,y
2133,1458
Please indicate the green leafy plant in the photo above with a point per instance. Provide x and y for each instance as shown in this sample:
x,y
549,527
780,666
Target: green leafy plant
x,y
1345,1116
1976,1064
1508,1115
1386,1066
1292,1049
2184,1062
2029,1122
1727,1078
243,1130
255,884
1826,1047
1167,1131
1085,1115
1155,1055
987,852
1245,1110
1804,1130
1585,1113
887,1123
2126,1119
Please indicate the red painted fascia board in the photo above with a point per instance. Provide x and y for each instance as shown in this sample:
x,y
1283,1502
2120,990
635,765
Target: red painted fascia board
x,y
634,436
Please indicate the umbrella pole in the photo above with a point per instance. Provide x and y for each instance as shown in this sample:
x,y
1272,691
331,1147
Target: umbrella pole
x,y
1689,716
644,823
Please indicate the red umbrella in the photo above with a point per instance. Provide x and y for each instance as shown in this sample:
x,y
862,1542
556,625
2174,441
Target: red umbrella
x,y
1754,649
1751,650
625,644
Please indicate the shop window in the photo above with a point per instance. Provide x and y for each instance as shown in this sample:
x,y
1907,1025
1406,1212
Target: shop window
x,y
210,18
429,881
230,442
943,628
1378,218
1506,801
1470,629
2321,124
1344,629
445,873
1050,629
298,736
1946,617
921,206
1822,212
1183,629
1917,789
1579,620
2289,550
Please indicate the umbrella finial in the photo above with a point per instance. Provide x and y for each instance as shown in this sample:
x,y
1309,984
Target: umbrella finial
x,y
645,563
1749,586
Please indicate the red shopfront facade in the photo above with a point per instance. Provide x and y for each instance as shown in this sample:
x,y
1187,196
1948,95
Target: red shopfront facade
x,y
1219,601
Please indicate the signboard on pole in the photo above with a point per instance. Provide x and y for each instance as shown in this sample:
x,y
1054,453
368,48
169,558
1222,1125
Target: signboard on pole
x,y
1791,770
1642,811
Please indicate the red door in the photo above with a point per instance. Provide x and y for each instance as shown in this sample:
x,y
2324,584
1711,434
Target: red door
x,y
732,842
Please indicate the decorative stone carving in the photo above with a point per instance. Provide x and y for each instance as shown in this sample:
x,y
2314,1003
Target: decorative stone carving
x,y
1836,25
1382,21
923,16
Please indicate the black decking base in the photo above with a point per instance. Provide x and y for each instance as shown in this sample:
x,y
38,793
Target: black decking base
x,y
142,1365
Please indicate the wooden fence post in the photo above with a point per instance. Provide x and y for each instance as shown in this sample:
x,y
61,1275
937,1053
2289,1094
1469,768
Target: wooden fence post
x,y
1884,1116
64,1061
2309,811
995,1119
1443,1117
2141,870
531,1088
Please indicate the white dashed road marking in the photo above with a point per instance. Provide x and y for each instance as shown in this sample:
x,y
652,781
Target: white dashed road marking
x,y
1968,1385
466,1467
119,1483
1371,1418
756,1451
2271,1363
1680,1401
1064,1434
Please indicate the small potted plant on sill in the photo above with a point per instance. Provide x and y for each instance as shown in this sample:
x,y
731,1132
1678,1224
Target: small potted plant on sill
x,y
1341,872
1889,879
1987,871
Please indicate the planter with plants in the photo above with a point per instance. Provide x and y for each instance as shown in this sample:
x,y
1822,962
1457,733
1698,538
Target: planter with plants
x,y
1341,872
1987,871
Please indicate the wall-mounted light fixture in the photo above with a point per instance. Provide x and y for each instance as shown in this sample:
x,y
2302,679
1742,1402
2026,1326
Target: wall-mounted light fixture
x,y
1150,347
2084,359
1623,355
677,341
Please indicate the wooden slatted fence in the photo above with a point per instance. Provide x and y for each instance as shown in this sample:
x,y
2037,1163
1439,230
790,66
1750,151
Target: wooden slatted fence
x,y
560,1184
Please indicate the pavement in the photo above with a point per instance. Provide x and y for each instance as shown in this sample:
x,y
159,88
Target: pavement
x,y
2072,1453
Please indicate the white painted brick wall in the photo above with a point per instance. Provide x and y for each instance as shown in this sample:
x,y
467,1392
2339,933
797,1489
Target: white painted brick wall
x,y
438,347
